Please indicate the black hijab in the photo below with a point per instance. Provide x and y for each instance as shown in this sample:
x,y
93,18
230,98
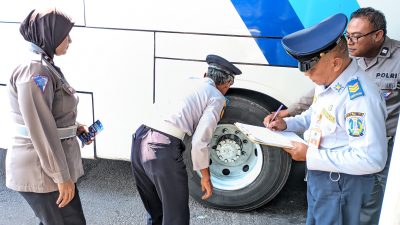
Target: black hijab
x,y
46,29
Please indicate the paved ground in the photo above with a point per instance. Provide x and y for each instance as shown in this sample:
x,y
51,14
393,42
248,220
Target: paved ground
x,y
109,197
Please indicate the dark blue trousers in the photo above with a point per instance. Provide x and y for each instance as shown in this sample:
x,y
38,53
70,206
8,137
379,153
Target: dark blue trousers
x,y
161,176
336,200
45,208
370,212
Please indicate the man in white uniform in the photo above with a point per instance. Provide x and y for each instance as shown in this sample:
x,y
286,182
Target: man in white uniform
x,y
157,148
345,126
379,56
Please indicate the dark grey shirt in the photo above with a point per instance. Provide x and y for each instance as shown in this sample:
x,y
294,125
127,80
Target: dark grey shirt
x,y
384,69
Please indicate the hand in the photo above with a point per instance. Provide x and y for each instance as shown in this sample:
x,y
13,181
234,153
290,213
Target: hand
x,y
277,124
83,129
67,193
282,114
299,152
206,185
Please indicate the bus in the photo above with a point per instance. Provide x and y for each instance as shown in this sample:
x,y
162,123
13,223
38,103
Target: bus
x,y
126,54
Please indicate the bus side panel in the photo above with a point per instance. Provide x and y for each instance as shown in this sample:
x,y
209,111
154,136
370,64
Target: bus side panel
x,y
17,10
283,84
116,66
11,45
197,47
207,16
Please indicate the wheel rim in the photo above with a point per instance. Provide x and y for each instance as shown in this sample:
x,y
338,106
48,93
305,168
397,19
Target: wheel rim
x,y
235,161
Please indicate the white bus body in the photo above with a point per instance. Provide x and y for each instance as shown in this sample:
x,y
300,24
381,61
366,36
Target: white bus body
x,y
125,55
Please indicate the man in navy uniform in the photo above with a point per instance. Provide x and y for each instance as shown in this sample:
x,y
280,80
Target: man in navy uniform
x,y
157,163
344,127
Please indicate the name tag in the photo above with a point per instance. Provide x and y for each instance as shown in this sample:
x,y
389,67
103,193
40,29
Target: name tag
x,y
315,137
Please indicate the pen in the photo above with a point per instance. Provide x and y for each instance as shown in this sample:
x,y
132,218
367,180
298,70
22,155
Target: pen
x,y
276,113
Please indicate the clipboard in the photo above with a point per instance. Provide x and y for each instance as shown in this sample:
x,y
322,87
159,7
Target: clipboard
x,y
265,136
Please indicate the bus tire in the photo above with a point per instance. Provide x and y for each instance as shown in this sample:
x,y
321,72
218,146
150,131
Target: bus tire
x,y
245,182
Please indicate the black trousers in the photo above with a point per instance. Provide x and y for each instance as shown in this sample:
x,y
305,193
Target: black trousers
x,y
161,176
45,208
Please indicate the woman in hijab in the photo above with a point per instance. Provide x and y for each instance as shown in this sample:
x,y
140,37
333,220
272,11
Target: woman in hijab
x,y
44,162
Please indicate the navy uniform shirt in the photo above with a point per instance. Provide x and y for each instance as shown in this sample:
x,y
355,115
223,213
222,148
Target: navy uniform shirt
x,y
350,114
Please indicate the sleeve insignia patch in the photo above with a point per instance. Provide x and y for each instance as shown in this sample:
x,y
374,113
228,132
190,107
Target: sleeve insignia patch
x,y
355,124
40,81
355,89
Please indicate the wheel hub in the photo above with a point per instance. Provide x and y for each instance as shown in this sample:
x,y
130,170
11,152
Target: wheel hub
x,y
235,162
228,151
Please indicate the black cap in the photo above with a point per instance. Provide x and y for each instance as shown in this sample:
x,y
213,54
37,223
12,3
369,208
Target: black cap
x,y
219,63
307,45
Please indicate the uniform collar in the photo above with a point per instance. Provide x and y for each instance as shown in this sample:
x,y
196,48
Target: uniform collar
x,y
386,50
209,81
341,81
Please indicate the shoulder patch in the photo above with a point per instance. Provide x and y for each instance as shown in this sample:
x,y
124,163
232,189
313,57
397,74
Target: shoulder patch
x,y
355,89
355,123
40,81
384,51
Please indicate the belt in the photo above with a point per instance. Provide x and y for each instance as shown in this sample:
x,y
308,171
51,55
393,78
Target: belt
x,y
167,128
63,133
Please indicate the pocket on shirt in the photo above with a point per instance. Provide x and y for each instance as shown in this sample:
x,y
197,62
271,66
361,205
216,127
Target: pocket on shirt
x,y
329,137
70,100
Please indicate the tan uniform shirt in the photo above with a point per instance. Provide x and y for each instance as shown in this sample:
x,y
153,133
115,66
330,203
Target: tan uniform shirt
x,y
40,101
384,69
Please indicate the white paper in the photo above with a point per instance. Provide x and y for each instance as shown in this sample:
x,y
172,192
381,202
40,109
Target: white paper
x,y
265,136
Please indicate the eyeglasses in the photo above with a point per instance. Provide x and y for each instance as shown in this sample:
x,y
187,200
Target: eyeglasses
x,y
354,39
308,64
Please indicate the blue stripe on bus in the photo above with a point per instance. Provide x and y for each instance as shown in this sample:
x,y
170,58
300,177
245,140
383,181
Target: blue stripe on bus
x,y
274,52
273,19
311,12
270,18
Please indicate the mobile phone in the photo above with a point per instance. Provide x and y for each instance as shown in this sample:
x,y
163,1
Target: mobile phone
x,y
94,129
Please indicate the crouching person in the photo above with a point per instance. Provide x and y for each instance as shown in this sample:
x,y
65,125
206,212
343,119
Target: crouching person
x,y
157,147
